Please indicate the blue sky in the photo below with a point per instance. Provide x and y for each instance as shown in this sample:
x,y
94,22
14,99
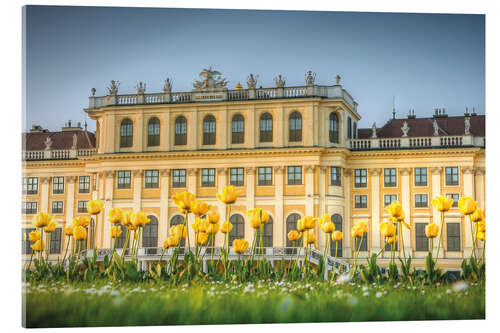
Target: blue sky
x,y
425,60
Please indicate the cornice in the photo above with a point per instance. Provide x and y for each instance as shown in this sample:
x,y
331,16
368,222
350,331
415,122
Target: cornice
x,y
415,152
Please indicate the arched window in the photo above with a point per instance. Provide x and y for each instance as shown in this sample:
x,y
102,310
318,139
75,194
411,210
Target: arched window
x,y
349,128
178,219
120,241
238,230
150,232
337,220
266,127
153,132
126,133
295,127
238,129
180,131
334,128
209,130
267,235
291,224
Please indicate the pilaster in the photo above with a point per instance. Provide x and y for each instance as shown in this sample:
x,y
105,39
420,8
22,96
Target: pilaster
x,y
140,132
70,199
164,218
405,202
280,239
137,202
309,199
108,204
321,199
346,242
251,127
468,186
436,191
375,209
44,194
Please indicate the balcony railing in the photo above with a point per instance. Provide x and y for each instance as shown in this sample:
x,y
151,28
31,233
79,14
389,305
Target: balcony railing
x,y
56,154
335,91
416,142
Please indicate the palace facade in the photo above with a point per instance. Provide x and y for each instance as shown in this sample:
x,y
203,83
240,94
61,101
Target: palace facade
x,y
293,151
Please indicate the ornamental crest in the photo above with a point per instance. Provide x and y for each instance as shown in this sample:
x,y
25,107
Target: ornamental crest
x,y
212,80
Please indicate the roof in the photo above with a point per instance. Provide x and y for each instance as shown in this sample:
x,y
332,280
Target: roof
x,y
60,140
424,127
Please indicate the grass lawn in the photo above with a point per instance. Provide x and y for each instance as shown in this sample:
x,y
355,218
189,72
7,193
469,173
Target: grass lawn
x,y
102,303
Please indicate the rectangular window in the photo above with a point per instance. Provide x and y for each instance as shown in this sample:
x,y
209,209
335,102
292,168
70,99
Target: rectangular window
x,y
388,246
151,179
390,178
236,176
57,185
179,178
335,176
451,176
26,244
420,176
294,175
30,185
82,206
57,207
360,201
360,178
208,177
123,180
265,176
455,197
453,236
389,198
30,207
84,184
421,200
55,241
421,241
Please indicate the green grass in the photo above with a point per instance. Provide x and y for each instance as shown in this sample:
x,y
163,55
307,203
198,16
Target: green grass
x,y
105,304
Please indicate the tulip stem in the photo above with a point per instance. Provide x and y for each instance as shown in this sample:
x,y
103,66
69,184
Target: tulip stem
x,y
253,244
482,255
440,235
400,232
473,238
41,244
125,246
47,247
187,229
335,259
31,257
66,251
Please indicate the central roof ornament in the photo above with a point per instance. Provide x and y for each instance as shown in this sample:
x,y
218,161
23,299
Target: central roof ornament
x,y
212,80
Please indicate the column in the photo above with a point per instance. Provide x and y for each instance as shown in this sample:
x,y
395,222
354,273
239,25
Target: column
x,y
316,130
479,190
250,183
251,125
193,131
321,200
44,194
280,235
280,126
137,201
221,182
347,252
139,132
104,242
375,209
468,187
308,124
436,191
70,199
109,139
165,131
164,197
222,134
309,199
191,188
405,202
94,185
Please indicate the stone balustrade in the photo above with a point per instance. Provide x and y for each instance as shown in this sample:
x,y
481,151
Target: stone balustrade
x,y
56,154
416,142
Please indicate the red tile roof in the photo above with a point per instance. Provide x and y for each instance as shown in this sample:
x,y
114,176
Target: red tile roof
x,y
424,127
60,140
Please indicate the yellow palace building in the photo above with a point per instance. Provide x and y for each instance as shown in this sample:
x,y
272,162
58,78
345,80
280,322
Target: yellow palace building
x,y
292,150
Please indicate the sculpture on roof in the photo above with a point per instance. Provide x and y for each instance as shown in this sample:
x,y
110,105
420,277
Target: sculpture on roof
x,y
467,125
337,79
167,87
280,81
310,78
252,81
436,127
405,129
75,140
212,79
374,131
92,91
141,88
113,87
48,143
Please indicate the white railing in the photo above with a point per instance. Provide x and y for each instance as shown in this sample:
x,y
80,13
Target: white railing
x,y
57,154
416,142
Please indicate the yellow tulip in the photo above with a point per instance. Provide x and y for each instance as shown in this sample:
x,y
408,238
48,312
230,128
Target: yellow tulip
x,y
94,207
258,215
325,218
387,229
442,203
396,210
68,230
82,221
79,233
309,222
467,205
327,227
363,225
356,232
310,238
293,235
51,227
478,215
240,245
183,201
481,235
38,246
391,240
301,225
115,231
42,219
213,216
212,228
255,221
199,224
139,219
226,227
127,218
132,227
199,207
337,236
481,226
34,235
166,245
178,231
115,215
228,195
431,230
173,241
201,238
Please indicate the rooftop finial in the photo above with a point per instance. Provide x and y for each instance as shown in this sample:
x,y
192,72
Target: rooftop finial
x,y
280,81
252,81
92,91
310,77
337,79
393,107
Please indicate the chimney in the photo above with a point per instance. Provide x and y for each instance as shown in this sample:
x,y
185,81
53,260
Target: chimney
x,y
473,112
411,114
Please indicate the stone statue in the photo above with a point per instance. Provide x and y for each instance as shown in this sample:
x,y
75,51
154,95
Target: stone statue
x,y
436,127
374,131
113,87
48,143
280,81
467,125
252,81
167,87
141,88
92,91
337,78
211,80
310,77
405,129
75,140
